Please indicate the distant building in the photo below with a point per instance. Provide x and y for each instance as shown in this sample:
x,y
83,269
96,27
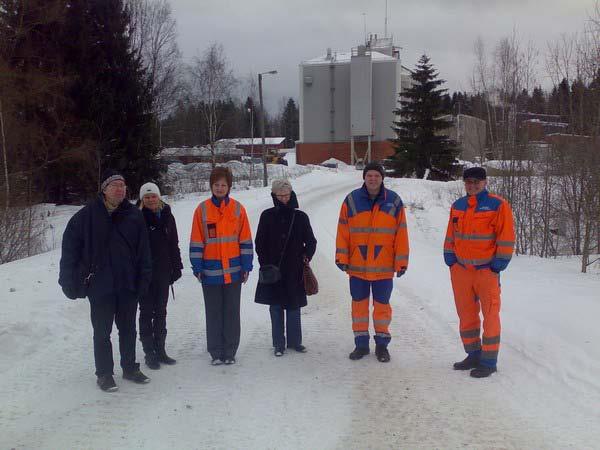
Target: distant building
x,y
188,155
535,127
347,103
254,146
469,133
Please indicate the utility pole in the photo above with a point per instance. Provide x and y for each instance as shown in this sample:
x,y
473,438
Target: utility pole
x,y
262,125
251,111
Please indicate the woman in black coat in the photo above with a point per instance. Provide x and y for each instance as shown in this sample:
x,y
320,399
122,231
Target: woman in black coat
x,y
166,269
286,296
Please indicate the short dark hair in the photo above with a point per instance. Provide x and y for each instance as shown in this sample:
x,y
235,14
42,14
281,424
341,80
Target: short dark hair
x,y
221,172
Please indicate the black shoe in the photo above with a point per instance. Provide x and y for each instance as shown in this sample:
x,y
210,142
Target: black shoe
x,y
107,383
166,359
152,361
136,376
162,354
300,348
359,352
470,362
482,371
382,353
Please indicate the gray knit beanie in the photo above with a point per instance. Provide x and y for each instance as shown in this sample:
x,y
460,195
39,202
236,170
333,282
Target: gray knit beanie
x,y
280,185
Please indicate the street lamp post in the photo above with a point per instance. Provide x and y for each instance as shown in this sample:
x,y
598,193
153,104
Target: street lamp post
x,y
262,125
251,111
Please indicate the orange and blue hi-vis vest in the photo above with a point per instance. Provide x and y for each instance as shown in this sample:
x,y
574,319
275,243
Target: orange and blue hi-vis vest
x,y
221,241
372,237
480,232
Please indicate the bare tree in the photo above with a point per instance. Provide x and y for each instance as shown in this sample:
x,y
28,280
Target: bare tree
x,y
4,159
154,39
212,84
481,84
249,86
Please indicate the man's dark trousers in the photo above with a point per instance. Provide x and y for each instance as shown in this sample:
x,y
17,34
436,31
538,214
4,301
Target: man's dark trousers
x,y
121,308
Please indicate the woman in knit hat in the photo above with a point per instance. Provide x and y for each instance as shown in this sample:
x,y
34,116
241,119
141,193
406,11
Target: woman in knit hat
x,y
284,238
166,269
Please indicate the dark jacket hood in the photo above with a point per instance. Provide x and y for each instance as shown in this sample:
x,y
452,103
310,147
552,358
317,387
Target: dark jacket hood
x,y
292,204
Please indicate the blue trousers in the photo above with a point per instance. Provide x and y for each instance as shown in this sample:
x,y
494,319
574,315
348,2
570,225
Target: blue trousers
x,y
292,326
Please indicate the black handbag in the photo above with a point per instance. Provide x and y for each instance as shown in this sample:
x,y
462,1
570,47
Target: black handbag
x,y
271,273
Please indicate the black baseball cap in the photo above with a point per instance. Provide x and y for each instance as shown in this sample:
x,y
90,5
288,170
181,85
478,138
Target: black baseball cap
x,y
477,173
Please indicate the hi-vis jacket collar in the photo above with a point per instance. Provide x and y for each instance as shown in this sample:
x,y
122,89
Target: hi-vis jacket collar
x,y
382,194
217,201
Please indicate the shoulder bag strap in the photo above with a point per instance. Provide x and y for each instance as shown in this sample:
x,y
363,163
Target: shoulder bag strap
x,y
287,239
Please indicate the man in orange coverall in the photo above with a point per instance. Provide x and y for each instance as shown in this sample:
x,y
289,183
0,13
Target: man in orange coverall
x,y
372,245
479,245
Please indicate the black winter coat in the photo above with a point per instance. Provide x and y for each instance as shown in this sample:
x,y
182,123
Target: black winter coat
x,y
113,248
164,245
270,238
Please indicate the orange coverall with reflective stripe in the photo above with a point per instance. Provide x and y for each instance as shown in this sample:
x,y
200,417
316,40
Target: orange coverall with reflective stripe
x,y
479,244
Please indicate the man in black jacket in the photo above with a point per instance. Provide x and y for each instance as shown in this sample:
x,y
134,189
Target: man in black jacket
x,y
106,257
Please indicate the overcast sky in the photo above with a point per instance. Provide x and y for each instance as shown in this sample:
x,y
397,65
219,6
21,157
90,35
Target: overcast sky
x,y
262,35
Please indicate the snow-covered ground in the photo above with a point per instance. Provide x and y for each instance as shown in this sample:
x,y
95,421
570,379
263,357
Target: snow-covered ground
x,y
546,393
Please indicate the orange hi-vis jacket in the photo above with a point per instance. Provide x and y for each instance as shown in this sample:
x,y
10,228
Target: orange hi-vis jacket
x,y
480,232
372,237
221,241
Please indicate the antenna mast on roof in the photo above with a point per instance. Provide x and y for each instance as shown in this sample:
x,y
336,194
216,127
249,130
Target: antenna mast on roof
x,y
365,25
386,17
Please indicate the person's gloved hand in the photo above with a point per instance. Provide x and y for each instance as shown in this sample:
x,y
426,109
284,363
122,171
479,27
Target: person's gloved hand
x,y
175,275
400,273
342,267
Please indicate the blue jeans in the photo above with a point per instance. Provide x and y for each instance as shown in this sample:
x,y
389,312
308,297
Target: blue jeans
x,y
293,327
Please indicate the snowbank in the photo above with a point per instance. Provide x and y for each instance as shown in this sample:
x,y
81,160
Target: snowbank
x,y
187,178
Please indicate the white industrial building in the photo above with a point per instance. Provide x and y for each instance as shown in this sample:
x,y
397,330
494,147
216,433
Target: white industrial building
x,y
347,103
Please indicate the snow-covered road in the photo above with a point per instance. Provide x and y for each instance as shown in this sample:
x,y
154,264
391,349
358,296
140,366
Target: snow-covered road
x,y
545,395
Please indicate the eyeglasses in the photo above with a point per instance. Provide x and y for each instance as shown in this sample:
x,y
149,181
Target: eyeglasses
x,y
283,195
116,185
473,181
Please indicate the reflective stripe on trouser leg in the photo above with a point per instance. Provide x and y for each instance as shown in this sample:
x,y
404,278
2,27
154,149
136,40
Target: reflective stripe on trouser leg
x,y
359,290
382,310
487,288
360,322
467,307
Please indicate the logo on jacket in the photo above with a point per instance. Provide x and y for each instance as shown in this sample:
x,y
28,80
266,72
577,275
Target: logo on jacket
x,y
485,208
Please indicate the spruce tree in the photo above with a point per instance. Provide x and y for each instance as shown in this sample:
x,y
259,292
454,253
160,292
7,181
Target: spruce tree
x,y
537,103
111,93
290,123
420,144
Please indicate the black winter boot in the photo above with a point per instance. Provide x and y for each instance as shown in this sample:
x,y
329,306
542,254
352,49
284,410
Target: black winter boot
x,y
482,371
107,383
136,376
470,362
151,357
359,352
382,353
162,354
